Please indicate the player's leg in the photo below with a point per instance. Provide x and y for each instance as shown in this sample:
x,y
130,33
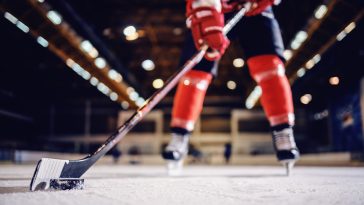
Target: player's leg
x,y
189,97
268,71
187,104
264,49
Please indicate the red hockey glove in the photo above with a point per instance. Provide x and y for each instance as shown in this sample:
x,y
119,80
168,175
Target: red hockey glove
x,y
231,5
206,22
258,6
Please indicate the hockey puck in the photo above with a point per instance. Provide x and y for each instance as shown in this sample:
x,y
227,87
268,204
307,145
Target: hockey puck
x,y
67,184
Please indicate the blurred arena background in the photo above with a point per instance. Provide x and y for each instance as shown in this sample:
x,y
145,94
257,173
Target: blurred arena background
x,y
73,71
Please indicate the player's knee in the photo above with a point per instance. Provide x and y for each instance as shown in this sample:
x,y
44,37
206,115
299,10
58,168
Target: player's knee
x,y
265,68
189,99
268,71
196,78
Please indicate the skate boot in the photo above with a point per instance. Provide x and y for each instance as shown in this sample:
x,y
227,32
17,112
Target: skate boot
x,y
175,153
285,147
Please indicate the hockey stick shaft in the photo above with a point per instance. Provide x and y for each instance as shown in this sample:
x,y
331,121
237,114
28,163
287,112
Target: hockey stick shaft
x,y
161,93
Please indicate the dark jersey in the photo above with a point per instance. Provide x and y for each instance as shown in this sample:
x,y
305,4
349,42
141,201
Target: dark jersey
x,y
258,35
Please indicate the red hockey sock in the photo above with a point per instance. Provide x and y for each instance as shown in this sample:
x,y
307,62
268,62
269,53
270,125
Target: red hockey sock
x,y
189,99
268,71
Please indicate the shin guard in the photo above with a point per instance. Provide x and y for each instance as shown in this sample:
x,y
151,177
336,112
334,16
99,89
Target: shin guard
x,y
189,98
269,72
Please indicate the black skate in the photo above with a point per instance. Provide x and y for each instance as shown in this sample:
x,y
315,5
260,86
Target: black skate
x,y
286,149
175,153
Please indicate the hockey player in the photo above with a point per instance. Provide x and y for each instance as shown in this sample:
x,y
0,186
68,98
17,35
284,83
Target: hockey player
x,y
261,39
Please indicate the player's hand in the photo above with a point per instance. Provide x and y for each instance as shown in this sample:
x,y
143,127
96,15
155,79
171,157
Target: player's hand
x,y
232,5
206,21
258,6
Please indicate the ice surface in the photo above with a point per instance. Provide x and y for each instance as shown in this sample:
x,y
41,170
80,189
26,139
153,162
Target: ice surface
x,y
198,185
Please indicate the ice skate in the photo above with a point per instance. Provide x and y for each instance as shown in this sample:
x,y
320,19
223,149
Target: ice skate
x,y
175,153
286,149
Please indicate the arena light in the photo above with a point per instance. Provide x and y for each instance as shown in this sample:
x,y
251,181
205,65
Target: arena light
x,y
87,47
158,83
40,1
253,97
93,53
54,17
287,54
305,99
103,88
148,65
100,62
42,41
134,96
129,90
321,115
231,85
130,33
310,64
112,74
316,58
334,80
113,96
301,72
10,17
22,26
80,71
132,37
70,62
349,28
118,78
140,102
295,45
177,31
313,61
300,37
115,75
125,105
86,75
340,36
129,30
94,81
238,62
77,68
320,11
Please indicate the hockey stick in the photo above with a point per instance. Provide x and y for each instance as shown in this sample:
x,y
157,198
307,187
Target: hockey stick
x,y
48,169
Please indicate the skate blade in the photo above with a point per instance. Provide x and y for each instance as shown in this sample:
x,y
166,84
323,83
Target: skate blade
x,y
288,164
174,167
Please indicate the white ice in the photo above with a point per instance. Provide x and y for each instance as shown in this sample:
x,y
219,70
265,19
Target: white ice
x,y
122,184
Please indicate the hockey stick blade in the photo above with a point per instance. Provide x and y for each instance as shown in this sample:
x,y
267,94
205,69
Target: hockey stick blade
x,y
48,169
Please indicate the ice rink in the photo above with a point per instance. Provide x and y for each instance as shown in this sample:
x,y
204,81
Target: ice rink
x,y
125,184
